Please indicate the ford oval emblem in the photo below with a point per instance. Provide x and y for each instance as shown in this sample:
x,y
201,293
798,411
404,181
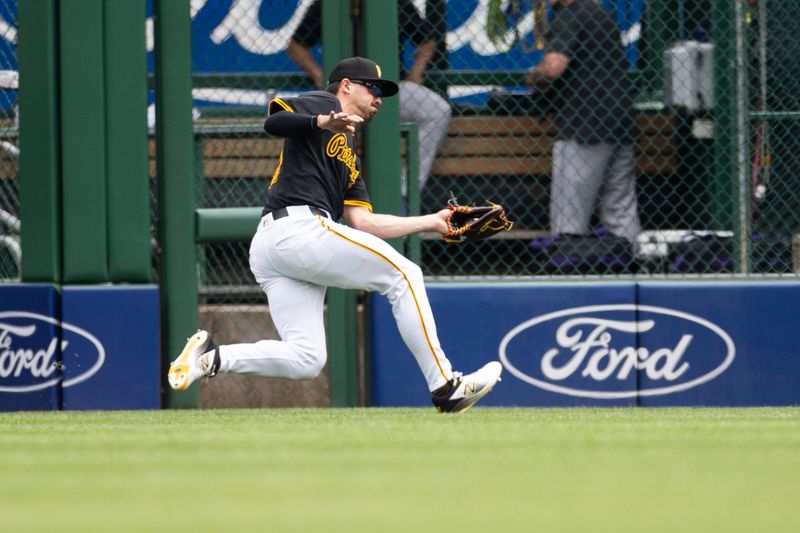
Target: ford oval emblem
x,y
30,357
617,351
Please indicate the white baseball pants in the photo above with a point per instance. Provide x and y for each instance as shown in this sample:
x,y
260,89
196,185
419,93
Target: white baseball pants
x,y
294,259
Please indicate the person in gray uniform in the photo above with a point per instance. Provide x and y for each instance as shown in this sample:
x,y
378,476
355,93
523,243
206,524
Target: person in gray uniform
x,y
593,156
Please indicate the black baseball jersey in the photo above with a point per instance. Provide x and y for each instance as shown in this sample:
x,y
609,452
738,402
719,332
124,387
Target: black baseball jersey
x,y
596,96
319,168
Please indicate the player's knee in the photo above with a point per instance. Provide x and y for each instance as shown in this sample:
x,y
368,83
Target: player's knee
x,y
409,274
405,277
312,362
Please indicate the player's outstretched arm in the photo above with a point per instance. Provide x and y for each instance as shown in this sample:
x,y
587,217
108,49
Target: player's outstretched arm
x,y
391,226
283,124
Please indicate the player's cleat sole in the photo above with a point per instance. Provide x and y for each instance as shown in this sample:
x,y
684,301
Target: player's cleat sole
x,y
469,389
193,362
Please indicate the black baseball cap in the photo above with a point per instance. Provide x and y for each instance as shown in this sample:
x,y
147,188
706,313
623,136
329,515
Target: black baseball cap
x,y
362,69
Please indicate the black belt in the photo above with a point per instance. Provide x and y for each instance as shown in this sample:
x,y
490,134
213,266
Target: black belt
x,y
283,212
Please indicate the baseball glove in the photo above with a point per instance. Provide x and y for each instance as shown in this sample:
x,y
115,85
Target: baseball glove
x,y
473,223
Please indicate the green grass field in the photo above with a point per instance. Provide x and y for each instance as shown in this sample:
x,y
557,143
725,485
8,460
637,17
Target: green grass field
x,y
409,470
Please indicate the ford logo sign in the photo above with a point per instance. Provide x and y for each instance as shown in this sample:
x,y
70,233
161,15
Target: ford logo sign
x,y
30,357
617,351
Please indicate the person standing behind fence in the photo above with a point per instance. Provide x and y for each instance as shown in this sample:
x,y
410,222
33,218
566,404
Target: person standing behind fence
x,y
593,156
418,104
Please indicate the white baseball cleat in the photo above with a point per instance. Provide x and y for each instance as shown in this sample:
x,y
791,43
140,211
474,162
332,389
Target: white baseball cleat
x,y
195,361
466,390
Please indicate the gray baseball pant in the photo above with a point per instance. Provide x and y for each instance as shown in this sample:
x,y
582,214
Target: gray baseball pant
x,y
586,176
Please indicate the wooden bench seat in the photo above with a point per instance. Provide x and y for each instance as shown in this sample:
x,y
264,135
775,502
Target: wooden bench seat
x,y
475,146
523,145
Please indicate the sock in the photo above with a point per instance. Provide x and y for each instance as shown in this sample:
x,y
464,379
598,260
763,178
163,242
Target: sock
x,y
445,390
216,363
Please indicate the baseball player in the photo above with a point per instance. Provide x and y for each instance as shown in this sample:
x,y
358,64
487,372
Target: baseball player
x,y
299,248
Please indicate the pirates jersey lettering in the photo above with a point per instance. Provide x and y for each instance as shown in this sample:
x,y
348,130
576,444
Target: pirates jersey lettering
x,y
337,147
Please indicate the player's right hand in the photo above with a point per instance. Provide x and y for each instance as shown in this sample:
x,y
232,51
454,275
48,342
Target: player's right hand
x,y
339,122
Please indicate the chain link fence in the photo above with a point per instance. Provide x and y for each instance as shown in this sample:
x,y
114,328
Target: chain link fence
x,y
713,172
10,251
712,176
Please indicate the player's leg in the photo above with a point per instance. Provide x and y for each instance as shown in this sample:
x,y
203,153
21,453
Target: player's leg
x,y
357,260
432,114
618,205
578,171
296,308
367,262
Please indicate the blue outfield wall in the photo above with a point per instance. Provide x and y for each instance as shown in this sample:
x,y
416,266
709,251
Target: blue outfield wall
x,y
606,344
88,347
30,372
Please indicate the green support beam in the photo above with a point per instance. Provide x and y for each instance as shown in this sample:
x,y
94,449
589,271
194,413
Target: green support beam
x,y
129,251
337,39
176,183
83,141
337,33
382,152
413,246
382,139
342,347
39,141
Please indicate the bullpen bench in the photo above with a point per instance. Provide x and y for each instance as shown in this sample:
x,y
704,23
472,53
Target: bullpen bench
x,y
506,159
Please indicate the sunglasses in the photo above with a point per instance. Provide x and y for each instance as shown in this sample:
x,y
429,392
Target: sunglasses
x,y
373,88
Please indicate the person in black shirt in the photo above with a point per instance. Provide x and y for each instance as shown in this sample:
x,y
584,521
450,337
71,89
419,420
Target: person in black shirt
x,y
418,104
299,248
593,157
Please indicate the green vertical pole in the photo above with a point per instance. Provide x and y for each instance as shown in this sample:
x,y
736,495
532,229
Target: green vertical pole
x,y
39,138
382,152
83,141
337,39
342,347
413,244
382,139
126,128
176,184
337,33
725,112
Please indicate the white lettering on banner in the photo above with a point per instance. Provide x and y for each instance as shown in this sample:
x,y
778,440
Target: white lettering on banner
x,y
7,31
472,33
243,25
39,362
604,361
586,350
